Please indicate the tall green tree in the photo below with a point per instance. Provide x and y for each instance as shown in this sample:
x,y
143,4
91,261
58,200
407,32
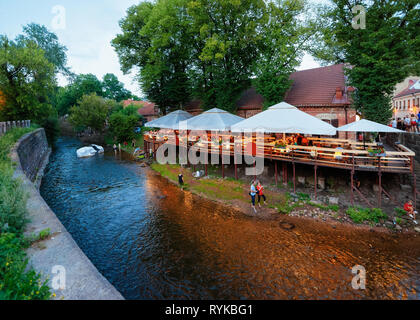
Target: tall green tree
x,y
27,80
91,112
380,54
156,41
114,89
54,51
286,37
82,84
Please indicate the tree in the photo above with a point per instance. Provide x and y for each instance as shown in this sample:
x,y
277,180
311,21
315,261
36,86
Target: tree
x,y
83,84
114,89
211,49
379,55
26,80
55,52
286,36
91,112
122,125
155,40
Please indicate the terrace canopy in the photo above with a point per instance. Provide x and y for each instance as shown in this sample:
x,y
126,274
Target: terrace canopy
x,y
213,120
367,126
284,118
170,121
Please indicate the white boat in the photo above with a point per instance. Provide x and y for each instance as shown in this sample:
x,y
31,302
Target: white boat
x,y
87,152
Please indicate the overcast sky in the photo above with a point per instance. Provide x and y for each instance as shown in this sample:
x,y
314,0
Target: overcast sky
x,y
89,27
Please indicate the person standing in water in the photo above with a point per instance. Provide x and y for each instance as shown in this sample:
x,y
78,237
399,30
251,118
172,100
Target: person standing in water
x,y
252,193
260,190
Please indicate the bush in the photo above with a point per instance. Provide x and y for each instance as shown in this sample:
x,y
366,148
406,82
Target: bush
x,y
359,215
122,126
17,284
52,129
16,281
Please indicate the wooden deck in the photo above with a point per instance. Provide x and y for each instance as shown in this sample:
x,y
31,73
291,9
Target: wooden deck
x,y
325,152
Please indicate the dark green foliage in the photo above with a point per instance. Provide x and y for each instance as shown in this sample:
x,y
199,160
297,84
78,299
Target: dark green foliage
x,y
211,49
91,112
122,125
359,215
381,55
52,128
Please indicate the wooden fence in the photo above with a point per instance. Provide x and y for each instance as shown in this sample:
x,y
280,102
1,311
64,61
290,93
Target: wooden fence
x,y
6,126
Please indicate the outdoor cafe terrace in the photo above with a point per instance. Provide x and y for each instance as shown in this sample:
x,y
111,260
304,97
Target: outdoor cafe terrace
x,y
310,150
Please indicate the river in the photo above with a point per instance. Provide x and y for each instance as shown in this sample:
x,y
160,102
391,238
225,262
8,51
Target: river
x,y
153,241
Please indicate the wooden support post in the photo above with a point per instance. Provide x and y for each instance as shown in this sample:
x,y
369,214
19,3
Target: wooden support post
x,y
206,168
236,171
294,177
379,183
275,170
414,184
223,168
351,187
316,181
255,170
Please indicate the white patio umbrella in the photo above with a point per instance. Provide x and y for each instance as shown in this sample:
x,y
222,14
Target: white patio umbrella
x,y
170,121
213,120
367,126
284,118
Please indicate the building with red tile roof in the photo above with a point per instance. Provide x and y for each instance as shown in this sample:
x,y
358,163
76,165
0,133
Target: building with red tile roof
x,y
321,92
407,101
147,109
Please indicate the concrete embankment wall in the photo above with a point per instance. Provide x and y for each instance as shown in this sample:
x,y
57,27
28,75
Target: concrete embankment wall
x,y
58,258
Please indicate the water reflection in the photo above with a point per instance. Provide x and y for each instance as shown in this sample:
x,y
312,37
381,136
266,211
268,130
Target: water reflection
x,y
153,241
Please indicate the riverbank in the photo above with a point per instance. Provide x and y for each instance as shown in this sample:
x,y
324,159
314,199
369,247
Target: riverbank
x,y
53,253
281,202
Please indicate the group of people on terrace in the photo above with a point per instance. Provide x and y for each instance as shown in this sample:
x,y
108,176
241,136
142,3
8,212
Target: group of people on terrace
x,y
409,123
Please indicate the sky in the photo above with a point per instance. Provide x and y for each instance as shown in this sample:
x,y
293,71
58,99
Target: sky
x,y
86,30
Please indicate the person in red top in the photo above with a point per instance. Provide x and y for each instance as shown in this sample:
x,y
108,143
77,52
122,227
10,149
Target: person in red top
x,y
408,207
260,190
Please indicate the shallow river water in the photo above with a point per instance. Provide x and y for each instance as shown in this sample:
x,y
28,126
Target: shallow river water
x,y
153,241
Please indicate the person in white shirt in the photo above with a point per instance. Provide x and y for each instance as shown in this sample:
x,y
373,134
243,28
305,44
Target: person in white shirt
x,y
394,123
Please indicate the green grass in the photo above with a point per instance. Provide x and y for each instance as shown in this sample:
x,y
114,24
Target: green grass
x,y
400,212
165,170
17,281
360,215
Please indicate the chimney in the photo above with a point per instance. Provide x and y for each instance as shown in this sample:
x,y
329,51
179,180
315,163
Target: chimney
x,y
338,93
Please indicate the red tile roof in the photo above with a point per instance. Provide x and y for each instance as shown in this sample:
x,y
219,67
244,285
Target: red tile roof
x,y
146,108
407,92
313,87
318,87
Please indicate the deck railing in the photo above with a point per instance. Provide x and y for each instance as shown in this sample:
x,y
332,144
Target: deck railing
x,y
7,125
327,152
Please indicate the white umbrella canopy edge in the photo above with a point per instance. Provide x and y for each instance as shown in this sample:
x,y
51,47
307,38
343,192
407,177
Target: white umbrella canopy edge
x,y
365,125
213,120
285,118
169,121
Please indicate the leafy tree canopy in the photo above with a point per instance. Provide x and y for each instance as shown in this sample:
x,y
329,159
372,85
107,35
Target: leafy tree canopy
x,y
55,52
114,89
27,80
91,112
210,49
382,54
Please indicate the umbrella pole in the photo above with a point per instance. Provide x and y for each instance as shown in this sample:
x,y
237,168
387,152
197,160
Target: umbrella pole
x,y
364,142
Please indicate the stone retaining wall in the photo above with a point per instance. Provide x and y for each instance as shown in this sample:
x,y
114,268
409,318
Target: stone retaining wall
x,y
57,257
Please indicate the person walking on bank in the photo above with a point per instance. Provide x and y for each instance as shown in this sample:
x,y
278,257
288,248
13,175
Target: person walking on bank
x,y
260,190
181,179
252,193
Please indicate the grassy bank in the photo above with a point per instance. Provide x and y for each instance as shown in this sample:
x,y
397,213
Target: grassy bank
x,y
279,200
16,281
